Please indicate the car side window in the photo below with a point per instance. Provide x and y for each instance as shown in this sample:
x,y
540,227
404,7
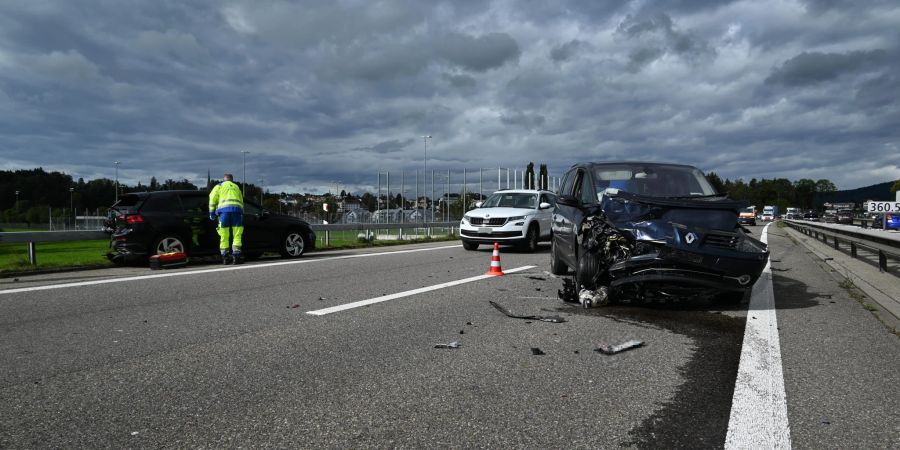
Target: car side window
x,y
568,181
584,190
195,203
250,208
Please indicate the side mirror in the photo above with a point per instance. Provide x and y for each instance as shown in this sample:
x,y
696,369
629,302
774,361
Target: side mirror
x,y
545,205
568,200
478,204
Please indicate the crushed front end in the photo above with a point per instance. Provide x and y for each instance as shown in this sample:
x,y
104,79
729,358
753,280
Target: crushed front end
x,y
644,248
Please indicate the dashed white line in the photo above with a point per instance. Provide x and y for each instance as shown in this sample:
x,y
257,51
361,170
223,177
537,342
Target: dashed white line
x,y
384,298
759,406
218,269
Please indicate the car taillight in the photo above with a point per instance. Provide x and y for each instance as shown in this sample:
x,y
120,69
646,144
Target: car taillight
x,y
135,218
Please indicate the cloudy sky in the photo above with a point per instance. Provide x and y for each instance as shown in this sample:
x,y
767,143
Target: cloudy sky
x,y
334,90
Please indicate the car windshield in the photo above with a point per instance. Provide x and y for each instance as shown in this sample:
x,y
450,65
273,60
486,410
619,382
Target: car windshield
x,y
652,180
511,200
747,210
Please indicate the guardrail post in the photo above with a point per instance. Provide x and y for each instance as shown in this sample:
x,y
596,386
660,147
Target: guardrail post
x,y
853,249
32,253
835,242
882,261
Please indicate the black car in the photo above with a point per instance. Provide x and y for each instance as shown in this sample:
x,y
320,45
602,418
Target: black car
x,y
647,230
149,223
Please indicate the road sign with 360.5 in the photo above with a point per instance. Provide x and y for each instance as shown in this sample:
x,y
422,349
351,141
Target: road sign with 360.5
x,y
877,207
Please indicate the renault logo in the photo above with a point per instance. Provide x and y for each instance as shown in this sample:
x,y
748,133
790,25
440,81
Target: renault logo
x,y
690,238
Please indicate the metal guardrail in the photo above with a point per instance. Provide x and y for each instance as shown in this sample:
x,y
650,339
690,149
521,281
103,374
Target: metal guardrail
x,y
33,237
884,244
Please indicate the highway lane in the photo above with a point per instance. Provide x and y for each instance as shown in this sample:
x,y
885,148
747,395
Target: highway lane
x,y
232,358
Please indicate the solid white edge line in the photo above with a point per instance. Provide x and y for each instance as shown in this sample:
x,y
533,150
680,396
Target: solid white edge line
x,y
384,298
218,269
759,406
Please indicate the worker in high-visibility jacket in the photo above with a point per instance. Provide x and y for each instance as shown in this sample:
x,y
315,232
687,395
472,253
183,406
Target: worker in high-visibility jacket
x,y
226,201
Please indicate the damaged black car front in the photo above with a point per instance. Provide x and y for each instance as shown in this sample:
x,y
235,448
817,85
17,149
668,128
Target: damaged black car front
x,y
651,232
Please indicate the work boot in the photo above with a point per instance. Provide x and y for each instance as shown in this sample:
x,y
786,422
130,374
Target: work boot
x,y
226,259
238,259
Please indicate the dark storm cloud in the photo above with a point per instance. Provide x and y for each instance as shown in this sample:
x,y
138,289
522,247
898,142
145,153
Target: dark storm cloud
x,y
657,35
810,68
567,51
324,91
478,53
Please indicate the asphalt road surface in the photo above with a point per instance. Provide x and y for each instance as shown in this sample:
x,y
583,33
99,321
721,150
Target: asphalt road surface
x,y
253,357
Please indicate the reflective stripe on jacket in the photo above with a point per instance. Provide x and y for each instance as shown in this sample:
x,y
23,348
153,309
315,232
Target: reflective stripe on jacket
x,y
226,197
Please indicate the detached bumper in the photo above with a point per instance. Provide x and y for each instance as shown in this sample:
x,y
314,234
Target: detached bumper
x,y
681,268
123,253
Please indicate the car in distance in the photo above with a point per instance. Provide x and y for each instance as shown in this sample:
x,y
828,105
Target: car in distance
x,y
150,223
845,216
513,216
747,216
650,231
811,216
890,221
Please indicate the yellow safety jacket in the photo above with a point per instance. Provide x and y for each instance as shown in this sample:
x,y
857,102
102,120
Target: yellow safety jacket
x,y
226,197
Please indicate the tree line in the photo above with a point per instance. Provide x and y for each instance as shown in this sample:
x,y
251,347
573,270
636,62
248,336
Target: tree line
x,y
42,193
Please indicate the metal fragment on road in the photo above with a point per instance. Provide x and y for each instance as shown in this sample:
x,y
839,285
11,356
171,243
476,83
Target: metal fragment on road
x,y
454,344
609,349
551,319
594,299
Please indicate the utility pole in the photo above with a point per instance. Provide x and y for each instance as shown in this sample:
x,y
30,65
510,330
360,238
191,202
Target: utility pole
x,y
117,181
244,174
424,176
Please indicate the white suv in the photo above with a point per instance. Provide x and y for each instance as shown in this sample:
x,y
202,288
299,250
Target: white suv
x,y
512,216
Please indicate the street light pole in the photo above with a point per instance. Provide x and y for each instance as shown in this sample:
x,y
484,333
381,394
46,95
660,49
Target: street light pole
x,y
72,205
244,175
424,172
17,201
117,180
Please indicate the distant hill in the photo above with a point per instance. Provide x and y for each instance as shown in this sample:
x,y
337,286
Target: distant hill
x,y
880,191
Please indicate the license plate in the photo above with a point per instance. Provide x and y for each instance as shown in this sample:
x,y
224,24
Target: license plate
x,y
484,230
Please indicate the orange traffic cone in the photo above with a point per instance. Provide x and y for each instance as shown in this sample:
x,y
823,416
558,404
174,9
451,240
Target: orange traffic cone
x,y
495,263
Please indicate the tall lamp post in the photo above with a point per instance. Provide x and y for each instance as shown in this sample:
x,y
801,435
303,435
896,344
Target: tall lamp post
x,y
117,180
424,171
17,201
244,176
72,207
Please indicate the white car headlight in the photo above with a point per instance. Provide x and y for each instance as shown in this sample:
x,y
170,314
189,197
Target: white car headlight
x,y
513,219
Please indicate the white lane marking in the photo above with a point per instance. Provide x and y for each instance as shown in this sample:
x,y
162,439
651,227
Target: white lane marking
x,y
218,269
759,407
384,298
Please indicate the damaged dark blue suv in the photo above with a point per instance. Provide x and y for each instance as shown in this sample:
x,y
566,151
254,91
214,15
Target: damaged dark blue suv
x,y
635,230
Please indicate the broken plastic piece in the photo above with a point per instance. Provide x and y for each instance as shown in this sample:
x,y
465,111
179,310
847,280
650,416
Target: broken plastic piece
x,y
551,319
594,299
537,351
454,344
568,293
608,349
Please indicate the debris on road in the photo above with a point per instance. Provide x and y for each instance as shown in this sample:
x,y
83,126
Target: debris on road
x,y
780,270
537,351
567,293
295,306
551,319
454,344
609,349
531,277
594,299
